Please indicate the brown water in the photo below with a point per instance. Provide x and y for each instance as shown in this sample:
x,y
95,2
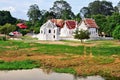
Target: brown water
x,y
41,74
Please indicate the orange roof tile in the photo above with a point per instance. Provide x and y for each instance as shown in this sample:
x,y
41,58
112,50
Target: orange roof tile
x,y
58,22
71,24
90,23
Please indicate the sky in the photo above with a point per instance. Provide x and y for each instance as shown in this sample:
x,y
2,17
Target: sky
x,y
19,8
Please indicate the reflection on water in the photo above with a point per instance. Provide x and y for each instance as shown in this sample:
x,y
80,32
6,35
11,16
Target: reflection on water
x,y
41,74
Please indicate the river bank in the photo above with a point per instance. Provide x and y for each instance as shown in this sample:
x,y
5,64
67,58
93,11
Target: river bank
x,y
63,58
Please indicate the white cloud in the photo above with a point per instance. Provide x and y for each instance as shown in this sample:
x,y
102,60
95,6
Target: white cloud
x,y
10,8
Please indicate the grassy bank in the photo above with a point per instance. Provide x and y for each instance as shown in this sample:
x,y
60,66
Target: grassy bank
x,y
14,65
64,56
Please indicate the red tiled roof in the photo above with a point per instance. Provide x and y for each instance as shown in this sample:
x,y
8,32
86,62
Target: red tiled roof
x,y
71,24
58,22
90,23
21,25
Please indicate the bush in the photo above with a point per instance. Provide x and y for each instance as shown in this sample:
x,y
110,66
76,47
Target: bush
x,y
3,38
116,33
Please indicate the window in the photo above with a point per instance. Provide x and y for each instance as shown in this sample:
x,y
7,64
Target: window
x,y
41,31
54,36
49,31
54,31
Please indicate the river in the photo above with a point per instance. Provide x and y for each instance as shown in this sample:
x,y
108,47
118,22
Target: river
x,y
41,74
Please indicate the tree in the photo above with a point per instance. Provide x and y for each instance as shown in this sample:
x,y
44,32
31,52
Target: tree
x,y
24,31
34,13
62,9
85,12
82,34
46,16
116,9
112,22
118,6
77,17
5,17
101,21
7,28
116,33
98,7
107,8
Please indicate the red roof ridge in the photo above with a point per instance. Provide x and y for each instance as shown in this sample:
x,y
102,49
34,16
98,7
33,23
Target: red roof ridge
x,y
90,23
71,24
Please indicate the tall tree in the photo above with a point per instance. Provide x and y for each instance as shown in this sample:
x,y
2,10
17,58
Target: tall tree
x,y
5,17
34,13
98,7
62,9
85,12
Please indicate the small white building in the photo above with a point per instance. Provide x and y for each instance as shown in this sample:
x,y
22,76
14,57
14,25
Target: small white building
x,y
68,29
90,25
48,31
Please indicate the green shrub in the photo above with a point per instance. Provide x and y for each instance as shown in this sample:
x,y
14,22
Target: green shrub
x,y
3,38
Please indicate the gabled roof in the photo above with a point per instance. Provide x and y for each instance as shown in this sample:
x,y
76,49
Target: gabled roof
x,y
48,24
90,23
21,25
71,24
58,22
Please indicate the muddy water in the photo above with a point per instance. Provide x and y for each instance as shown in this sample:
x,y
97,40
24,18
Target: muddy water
x,y
41,74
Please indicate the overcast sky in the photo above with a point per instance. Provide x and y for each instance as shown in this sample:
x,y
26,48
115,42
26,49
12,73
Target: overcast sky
x,y
19,8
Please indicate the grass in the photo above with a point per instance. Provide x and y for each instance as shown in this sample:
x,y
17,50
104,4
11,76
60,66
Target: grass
x,y
65,70
103,48
63,58
104,60
26,64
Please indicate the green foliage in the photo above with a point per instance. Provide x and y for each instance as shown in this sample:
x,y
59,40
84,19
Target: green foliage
x,y
77,18
2,38
101,7
112,22
98,7
24,31
37,30
34,13
63,11
118,6
82,34
26,64
5,17
65,70
116,33
85,12
101,21
7,28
